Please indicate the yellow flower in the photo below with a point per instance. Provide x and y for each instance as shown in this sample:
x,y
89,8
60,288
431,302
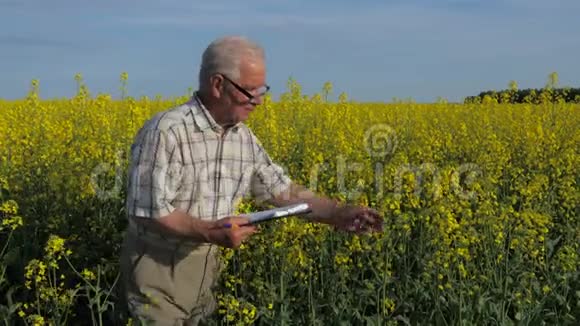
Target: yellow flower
x,y
54,246
341,259
462,271
36,320
88,275
11,222
526,155
9,207
546,289
388,305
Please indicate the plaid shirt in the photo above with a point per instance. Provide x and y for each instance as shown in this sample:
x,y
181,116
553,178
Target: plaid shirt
x,y
182,158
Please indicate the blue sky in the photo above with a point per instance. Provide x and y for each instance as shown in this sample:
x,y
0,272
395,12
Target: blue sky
x,y
372,50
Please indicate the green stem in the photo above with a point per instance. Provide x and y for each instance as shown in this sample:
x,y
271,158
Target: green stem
x,y
6,245
91,287
460,306
505,278
99,308
283,302
310,299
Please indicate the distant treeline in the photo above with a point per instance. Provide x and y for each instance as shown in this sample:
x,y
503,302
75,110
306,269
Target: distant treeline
x,y
535,96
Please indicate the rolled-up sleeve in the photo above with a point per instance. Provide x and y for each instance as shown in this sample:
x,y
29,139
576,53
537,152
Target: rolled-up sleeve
x,y
269,179
154,174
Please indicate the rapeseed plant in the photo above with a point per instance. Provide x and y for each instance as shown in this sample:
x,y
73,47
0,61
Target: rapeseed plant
x,y
480,204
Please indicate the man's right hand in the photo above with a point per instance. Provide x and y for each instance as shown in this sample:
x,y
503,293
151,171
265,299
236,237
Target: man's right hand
x,y
227,232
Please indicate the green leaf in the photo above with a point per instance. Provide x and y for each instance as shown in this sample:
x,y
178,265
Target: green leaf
x,y
403,319
4,194
482,304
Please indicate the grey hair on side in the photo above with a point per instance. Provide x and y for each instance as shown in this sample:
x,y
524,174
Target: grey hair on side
x,y
224,55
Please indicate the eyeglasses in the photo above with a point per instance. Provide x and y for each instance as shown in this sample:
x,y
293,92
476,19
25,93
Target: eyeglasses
x,y
260,91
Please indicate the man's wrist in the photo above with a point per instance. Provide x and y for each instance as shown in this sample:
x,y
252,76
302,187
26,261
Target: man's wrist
x,y
323,209
211,233
201,230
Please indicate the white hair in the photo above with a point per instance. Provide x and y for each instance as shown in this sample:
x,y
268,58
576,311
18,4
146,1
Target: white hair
x,y
224,56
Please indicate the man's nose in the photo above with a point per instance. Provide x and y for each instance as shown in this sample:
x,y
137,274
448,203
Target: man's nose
x,y
257,100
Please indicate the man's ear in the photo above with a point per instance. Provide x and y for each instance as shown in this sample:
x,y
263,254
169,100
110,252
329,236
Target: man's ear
x,y
217,86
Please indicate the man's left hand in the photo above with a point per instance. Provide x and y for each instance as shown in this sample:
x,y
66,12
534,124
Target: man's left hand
x,y
358,219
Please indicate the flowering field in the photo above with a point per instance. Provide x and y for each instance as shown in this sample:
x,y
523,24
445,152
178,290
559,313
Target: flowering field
x,y
480,204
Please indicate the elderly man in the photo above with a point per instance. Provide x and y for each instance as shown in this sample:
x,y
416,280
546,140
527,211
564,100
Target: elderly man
x,y
190,165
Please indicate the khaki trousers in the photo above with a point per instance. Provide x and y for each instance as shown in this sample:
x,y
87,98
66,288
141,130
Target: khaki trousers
x,y
165,282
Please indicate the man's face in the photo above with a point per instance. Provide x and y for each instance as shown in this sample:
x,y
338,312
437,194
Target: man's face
x,y
253,80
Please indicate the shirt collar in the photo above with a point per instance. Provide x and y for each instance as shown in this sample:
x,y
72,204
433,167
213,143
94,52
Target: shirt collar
x,y
203,117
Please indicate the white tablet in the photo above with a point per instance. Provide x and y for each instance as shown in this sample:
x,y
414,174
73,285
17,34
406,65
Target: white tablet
x,y
279,212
